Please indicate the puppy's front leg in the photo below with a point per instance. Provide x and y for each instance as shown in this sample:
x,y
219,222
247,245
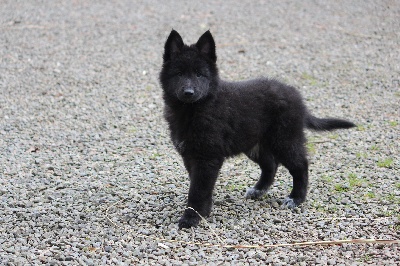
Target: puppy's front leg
x,y
203,173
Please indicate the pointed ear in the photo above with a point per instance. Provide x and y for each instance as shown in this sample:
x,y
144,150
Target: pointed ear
x,y
173,45
206,45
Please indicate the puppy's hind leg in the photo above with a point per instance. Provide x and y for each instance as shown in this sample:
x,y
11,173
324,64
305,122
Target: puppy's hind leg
x,y
297,164
268,166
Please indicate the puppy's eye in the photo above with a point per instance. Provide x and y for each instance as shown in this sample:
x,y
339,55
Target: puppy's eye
x,y
179,74
198,74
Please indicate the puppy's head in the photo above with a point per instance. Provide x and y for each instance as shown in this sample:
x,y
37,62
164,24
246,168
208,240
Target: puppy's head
x,y
189,73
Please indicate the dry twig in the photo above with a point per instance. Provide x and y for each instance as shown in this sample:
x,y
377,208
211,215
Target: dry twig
x,y
239,246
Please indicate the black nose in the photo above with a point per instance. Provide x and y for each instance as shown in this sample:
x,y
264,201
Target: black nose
x,y
188,91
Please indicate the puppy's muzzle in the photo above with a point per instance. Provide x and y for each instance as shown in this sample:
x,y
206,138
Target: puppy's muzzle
x,y
188,92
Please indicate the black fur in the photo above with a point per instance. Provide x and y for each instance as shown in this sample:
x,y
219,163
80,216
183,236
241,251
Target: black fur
x,y
211,119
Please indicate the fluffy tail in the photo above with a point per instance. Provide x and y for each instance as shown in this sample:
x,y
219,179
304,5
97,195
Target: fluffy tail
x,y
320,124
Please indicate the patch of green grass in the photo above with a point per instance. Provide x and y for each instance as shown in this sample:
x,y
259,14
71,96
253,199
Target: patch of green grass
x,y
393,198
355,181
154,156
333,208
327,178
341,188
361,128
352,175
374,147
390,213
387,163
333,136
393,123
318,206
370,195
396,227
236,187
311,79
397,185
361,155
311,148
365,258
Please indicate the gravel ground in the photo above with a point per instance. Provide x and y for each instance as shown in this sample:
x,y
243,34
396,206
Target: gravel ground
x,y
81,128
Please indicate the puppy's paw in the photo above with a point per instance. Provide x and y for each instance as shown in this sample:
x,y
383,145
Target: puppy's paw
x,y
188,221
253,193
291,203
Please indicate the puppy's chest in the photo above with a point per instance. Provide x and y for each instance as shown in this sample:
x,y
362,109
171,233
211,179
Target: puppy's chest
x,y
194,139
194,136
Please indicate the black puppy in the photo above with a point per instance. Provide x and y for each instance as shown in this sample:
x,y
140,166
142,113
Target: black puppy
x,y
211,119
